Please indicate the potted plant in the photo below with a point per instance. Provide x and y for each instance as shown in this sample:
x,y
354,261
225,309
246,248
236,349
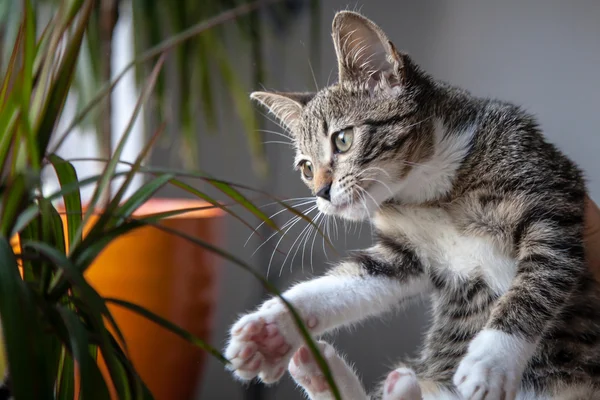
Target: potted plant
x,y
63,335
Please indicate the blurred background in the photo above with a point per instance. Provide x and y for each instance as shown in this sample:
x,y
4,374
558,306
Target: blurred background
x,y
541,54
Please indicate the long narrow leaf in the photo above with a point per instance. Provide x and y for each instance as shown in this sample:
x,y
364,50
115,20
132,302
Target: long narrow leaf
x,y
75,276
12,203
142,195
92,299
162,48
92,384
12,64
168,326
323,366
66,176
109,170
65,389
18,318
222,183
27,84
59,88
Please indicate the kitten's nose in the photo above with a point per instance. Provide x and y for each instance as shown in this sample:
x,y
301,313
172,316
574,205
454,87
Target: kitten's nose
x,y
324,192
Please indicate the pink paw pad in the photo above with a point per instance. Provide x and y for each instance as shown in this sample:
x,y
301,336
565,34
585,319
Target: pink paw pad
x,y
402,384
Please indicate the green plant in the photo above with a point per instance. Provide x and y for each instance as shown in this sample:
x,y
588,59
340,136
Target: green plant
x,y
54,323
200,64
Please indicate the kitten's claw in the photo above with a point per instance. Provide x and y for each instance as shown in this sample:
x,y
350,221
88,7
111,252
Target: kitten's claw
x,y
402,384
261,343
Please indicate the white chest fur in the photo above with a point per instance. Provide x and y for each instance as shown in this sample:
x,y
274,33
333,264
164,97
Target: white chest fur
x,y
441,245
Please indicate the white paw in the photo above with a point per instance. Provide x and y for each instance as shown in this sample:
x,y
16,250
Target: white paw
x,y
261,343
402,384
493,366
306,372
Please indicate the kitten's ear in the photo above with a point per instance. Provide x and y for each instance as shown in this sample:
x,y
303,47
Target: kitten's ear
x,y
286,107
365,54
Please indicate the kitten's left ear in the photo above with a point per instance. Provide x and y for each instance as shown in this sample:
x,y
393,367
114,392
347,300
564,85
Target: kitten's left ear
x,y
365,54
287,107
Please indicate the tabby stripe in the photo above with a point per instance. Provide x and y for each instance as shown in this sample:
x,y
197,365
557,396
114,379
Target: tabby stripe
x,y
395,119
537,214
404,265
377,148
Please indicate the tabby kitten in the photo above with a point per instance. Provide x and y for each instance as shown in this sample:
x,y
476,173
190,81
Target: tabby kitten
x,y
469,204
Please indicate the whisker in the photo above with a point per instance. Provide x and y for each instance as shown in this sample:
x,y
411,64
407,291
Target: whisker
x,y
419,122
371,196
279,241
379,181
277,123
375,168
288,200
292,221
329,76
277,213
415,164
312,246
307,239
302,235
326,235
275,133
279,142
336,227
291,248
312,71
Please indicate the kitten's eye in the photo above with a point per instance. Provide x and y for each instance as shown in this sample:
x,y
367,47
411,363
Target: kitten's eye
x,y
342,140
307,170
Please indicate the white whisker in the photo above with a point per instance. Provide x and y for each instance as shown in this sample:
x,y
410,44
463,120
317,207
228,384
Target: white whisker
x,y
278,142
275,133
291,248
282,236
370,168
277,213
379,181
312,246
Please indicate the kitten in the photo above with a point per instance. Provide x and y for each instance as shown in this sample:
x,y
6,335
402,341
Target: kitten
x,y
469,204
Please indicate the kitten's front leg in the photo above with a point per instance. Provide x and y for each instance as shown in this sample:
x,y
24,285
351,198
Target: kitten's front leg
x,y
372,282
550,262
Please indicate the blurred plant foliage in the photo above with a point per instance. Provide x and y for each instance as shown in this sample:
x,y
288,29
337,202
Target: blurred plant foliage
x,y
54,324
202,65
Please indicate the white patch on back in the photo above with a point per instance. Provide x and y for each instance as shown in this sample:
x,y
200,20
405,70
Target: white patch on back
x,y
441,245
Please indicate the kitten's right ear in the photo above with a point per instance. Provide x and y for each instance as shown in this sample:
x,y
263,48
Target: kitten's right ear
x,y
287,107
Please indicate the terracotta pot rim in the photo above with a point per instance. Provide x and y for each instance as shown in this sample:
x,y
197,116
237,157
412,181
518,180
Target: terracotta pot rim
x,y
164,204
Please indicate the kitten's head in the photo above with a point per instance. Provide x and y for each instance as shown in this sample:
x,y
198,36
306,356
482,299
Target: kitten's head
x,y
357,141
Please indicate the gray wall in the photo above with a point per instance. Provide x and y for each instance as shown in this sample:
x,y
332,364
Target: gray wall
x,y
542,54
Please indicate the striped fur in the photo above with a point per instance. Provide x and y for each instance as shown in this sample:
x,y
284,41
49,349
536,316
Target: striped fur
x,y
470,204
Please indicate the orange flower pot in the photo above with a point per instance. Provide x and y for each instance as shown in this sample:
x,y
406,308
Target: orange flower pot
x,y
171,277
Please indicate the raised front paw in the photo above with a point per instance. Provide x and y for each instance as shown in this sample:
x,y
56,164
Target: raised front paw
x,y
493,366
262,343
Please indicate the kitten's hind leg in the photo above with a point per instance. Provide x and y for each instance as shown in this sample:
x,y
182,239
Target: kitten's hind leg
x,y
404,384
306,373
